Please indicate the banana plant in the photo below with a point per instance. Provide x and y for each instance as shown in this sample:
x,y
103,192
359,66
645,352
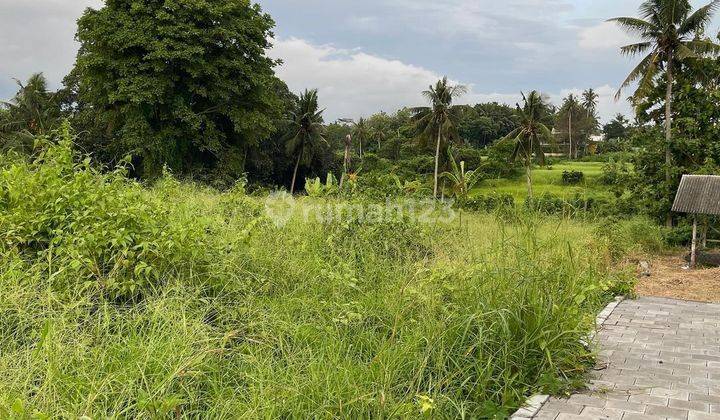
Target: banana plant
x,y
461,181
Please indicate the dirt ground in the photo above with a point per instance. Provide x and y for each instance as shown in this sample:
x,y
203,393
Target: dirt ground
x,y
669,279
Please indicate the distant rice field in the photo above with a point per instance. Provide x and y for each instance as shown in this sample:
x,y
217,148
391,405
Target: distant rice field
x,y
549,180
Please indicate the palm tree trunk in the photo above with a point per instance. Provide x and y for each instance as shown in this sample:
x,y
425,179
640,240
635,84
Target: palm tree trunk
x,y
437,164
668,131
346,161
528,174
297,165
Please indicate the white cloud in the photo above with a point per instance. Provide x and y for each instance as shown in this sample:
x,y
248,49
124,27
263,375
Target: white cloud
x,y
38,36
352,83
603,36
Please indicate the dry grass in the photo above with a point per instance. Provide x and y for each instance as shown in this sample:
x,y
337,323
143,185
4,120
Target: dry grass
x,y
670,279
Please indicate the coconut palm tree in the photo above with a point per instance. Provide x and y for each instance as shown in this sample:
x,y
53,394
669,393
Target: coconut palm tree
x,y
571,104
32,111
361,133
590,101
439,122
306,133
670,32
531,134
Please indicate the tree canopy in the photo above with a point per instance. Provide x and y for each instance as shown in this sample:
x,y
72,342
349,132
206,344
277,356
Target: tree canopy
x,y
185,84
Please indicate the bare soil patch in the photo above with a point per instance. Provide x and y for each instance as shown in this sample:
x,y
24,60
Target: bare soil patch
x,y
670,279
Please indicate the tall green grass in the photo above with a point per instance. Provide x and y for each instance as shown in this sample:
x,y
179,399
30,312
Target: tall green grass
x,y
123,301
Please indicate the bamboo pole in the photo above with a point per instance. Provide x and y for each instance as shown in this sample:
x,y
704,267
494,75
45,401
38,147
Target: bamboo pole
x,y
693,247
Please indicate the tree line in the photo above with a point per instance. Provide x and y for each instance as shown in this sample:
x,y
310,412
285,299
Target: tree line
x,y
189,87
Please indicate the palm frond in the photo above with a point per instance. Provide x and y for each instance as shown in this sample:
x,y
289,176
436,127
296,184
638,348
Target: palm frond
x,y
697,21
635,25
638,72
635,49
703,47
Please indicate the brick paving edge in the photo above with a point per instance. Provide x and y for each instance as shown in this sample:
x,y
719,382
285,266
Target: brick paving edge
x,y
535,403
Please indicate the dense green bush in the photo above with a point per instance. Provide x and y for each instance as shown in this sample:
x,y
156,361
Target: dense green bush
x,y
615,173
99,227
490,202
635,235
572,177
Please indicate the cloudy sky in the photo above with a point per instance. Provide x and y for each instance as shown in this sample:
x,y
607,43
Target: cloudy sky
x,y
372,55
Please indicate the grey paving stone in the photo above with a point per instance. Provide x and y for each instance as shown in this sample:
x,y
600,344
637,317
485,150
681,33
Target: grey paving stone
x,y
637,416
689,405
658,358
696,415
667,412
625,406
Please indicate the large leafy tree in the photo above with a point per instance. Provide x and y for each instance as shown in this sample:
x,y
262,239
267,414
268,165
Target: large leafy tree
x,y
182,83
439,122
306,132
33,111
484,123
695,147
670,33
531,134
617,128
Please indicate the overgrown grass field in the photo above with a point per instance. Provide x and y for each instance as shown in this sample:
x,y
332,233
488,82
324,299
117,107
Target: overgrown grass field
x,y
125,301
549,180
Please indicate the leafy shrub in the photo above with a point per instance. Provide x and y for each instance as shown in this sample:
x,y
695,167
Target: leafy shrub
x,y
615,173
471,156
316,188
379,187
490,202
680,236
572,177
100,226
498,164
548,203
623,237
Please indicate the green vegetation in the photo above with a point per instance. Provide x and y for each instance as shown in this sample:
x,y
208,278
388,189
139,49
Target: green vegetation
x,y
165,272
672,34
548,180
120,300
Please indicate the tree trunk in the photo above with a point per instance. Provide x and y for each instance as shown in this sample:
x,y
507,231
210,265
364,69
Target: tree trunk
x,y
528,174
346,161
668,132
437,164
297,165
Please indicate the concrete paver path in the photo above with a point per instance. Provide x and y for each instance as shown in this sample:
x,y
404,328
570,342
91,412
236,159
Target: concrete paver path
x,y
659,359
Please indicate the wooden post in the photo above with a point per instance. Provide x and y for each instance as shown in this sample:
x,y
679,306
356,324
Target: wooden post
x,y
703,236
693,249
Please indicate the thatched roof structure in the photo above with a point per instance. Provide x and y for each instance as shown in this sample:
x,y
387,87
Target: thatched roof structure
x,y
698,194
